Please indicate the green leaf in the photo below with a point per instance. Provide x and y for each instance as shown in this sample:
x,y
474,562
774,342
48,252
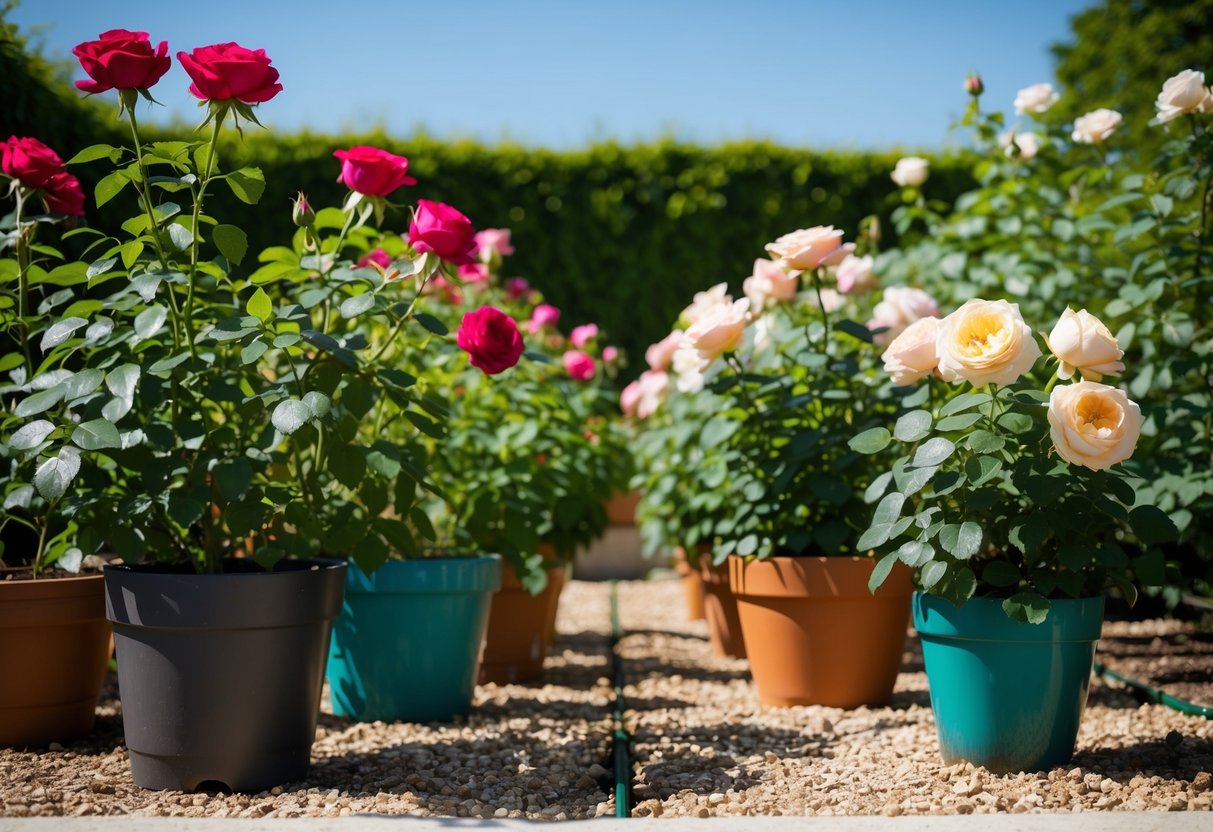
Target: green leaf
x,y
233,478
149,321
878,487
355,306
248,184
915,553
961,541
59,332
348,465
318,403
855,330
97,434
1016,422
55,474
180,236
932,573
260,306
231,241
39,402
290,415
912,426
1150,524
31,435
963,402
871,441
383,464
981,469
431,323
933,452
427,426
984,442
958,422
881,571
884,519
253,350
94,152
1027,607
109,187
100,267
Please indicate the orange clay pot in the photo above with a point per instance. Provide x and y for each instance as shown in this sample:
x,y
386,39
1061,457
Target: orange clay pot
x,y
621,508
720,608
816,635
54,646
692,585
520,629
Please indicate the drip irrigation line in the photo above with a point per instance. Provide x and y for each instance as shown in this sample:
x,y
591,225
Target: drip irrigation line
x,y
1152,694
622,740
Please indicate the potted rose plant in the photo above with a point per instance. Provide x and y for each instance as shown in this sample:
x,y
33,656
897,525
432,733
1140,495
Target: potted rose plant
x,y
1012,503
54,639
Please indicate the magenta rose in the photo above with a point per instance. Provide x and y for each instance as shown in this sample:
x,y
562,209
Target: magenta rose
x,y
443,230
378,256
227,71
584,334
516,287
610,354
30,161
474,273
371,171
122,60
494,241
491,339
63,195
578,365
544,316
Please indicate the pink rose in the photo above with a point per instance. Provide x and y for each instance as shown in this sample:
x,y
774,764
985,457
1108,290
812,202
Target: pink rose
x,y
226,71
660,354
770,284
372,171
912,355
30,161
63,195
544,317
492,241
377,255
610,354
629,397
491,339
578,365
516,287
582,335
807,248
443,230
653,389
900,307
122,60
473,273
855,274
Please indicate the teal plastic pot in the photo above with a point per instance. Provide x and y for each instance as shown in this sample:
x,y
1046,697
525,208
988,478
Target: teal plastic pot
x,y
407,645
1007,696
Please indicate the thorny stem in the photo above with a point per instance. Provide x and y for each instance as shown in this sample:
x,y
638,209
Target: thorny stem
x,y
24,238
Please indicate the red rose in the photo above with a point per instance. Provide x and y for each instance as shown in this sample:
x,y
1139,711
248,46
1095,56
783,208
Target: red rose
x,y
371,171
63,195
439,228
29,161
227,70
121,60
491,338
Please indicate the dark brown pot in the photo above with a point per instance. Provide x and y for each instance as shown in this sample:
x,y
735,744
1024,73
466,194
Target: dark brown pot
x,y
720,609
621,508
692,585
54,647
520,629
816,635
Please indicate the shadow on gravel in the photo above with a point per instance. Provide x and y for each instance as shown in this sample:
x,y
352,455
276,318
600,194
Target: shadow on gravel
x,y
1181,760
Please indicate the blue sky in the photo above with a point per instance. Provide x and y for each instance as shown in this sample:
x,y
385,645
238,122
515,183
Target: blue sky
x,y
874,74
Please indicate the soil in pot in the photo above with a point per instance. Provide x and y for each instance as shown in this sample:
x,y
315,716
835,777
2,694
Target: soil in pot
x,y
720,609
520,629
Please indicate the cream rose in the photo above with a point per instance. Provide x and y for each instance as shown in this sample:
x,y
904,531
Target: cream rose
x,y
719,330
985,342
704,302
688,368
911,171
912,355
658,355
1026,143
1083,344
807,248
899,307
1037,98
1092,424
770,284
1096,126
855,274
1181,94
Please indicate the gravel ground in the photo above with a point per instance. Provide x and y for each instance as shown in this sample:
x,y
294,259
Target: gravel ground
x,y
704,746
536,751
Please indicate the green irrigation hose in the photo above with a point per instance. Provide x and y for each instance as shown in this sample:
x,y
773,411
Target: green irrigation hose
x,y
622,740
1154,694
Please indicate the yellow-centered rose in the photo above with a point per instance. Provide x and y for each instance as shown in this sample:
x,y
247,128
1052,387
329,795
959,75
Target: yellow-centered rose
x,y
1083,344
985,342
1092,424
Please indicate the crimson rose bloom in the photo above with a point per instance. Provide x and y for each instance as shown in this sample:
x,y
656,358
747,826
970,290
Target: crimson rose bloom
x,y
439,228
30,161
491,338
371,171
122,60
226,71
63,195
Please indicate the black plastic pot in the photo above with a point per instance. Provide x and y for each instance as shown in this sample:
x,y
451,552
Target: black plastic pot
x,y
220,675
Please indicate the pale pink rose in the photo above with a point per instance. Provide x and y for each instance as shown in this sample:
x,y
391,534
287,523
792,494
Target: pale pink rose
x,y
855,274
806,248
911,172
770,284
582,335
610,354
703,302
659,355
899,307
578,365
545,316
654,386
492,241
1096,126
1181,94
689,367
719,330
1037,98
1022,145
911,356
629,397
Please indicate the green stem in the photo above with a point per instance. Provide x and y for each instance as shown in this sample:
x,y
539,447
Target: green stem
x,y
408,313
815,276
24,240
42,543
1052,382
206,178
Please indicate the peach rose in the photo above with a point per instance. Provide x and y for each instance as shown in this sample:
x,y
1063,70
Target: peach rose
x,y
1181,94
719,330
911,171
703,302
855,274
688,367
1096,126
658,355
899,307
1082,343
985,342
770,284
912,357
1037,98
653,389
1092,424
1020,145
807,248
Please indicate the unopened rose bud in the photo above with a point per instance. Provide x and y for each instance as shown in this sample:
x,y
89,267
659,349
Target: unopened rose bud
x,y
301,213
973,84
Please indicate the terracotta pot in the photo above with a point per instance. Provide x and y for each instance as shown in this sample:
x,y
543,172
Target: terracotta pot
x,y
520,629
54,647
556,582
816,635
692,585
621,508
720,609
